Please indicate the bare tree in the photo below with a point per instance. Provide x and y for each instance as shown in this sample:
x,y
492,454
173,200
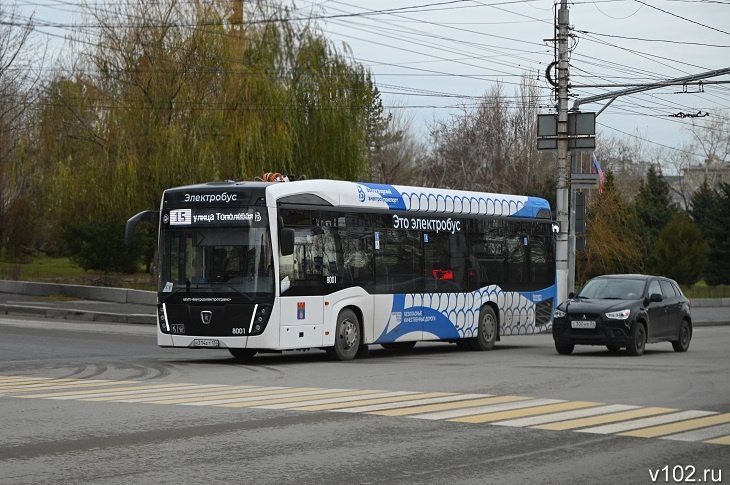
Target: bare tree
x,y
490,147
712,136
394,160
625,158
676,163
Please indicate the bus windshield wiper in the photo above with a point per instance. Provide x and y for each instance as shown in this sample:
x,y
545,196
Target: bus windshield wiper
x,y
250,298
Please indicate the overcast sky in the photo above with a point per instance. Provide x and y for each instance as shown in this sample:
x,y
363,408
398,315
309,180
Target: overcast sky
x,y
430,56
443,53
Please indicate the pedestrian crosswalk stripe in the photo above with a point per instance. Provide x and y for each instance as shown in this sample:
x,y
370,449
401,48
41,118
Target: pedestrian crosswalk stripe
x,y
74,394
5,384
645,423
685,425
444,406
564,416
725,440
294,398
491,417
393,405
334,402
166,395
66,385
263,393
20,380
609,418
514,411
23,378
204,389
702,434
516,402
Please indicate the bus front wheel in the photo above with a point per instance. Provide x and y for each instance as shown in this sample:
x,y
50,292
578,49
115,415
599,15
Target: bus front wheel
x,y
347,336
487,330
242,354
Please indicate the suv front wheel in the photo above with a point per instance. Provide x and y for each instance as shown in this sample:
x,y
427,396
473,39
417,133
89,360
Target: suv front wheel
x,y
685,334
638,339
564,349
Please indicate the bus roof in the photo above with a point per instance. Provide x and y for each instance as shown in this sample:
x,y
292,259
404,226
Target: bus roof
x,y
366,195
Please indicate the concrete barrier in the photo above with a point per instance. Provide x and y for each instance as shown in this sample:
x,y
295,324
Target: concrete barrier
x,y
710,302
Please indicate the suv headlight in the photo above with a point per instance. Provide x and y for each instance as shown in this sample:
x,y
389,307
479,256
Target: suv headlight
x,y
558,313
619,315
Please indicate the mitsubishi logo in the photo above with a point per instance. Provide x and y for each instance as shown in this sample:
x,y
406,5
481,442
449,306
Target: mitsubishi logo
x,y
206,316
584,317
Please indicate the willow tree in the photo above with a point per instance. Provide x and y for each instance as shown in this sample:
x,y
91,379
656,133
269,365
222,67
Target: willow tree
x,y
613,235
186,92
17,81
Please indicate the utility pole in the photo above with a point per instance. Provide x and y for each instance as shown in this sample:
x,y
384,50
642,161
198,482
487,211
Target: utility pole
x,y
562,202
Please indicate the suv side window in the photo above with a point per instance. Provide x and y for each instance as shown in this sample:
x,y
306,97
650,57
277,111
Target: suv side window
x,y
668,289
654,288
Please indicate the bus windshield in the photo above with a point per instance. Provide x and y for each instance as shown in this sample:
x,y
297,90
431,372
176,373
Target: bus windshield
x,y
217,259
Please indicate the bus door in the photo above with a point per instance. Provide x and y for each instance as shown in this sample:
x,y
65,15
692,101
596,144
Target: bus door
x,y
302,284
399,283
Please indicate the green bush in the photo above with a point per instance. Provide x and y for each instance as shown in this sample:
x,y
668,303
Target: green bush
x,y
680,252
100,246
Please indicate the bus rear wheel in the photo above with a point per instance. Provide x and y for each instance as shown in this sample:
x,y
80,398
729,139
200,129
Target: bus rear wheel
x,y
242,354
487,330
347,336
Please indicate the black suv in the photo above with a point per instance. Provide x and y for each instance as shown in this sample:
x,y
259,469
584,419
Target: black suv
x,y
624,311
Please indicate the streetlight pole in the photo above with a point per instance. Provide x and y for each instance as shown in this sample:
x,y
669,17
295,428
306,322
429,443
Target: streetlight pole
x,y
562,202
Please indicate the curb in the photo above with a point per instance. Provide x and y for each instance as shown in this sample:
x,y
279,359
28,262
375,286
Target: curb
x,y
79,315
98,293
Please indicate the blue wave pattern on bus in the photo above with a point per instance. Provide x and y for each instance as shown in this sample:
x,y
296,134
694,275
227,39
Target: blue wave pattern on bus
x,y
456,315
451,202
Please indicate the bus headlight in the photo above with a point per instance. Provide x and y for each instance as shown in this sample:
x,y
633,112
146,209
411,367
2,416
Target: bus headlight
x,y
162,318
260,319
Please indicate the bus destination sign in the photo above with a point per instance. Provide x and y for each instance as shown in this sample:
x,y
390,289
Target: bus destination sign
x,y
202,217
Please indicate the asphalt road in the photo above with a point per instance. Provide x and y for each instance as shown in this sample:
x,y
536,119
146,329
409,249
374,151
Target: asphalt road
x,y
101,403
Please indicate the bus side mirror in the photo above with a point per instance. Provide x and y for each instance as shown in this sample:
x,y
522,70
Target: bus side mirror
x,y
144,216
286,241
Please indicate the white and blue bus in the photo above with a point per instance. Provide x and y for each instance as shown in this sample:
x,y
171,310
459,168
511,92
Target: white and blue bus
x,y
255,267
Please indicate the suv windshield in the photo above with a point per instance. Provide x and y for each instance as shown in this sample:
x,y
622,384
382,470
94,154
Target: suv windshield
x,y
613,289
217,259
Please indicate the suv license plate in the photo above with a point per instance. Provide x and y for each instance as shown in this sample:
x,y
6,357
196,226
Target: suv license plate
x,y
205,342
583,324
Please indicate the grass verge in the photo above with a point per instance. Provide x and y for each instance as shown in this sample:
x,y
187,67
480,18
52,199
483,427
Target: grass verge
x,y
63,271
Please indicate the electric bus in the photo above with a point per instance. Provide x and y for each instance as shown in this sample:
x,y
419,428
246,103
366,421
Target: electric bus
x,y
253,267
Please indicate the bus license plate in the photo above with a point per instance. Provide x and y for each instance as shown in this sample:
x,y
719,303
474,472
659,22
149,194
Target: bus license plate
x,y
205,342
583,324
